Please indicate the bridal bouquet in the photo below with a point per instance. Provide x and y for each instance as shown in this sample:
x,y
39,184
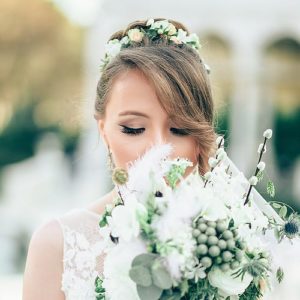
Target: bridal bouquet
x,y
194,237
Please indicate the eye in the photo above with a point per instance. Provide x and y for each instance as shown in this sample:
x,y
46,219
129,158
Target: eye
x,y
178,131
132,131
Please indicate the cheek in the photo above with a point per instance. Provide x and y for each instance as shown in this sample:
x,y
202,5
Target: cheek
x,y
126,148
186,148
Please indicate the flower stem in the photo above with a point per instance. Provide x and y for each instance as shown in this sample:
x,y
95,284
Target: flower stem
x,y
257,170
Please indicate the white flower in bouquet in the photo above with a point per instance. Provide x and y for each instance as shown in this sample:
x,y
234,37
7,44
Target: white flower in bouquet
x,y
117,264
124,222
227,284
146,171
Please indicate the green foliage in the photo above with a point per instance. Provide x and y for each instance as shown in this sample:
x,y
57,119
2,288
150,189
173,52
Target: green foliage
x,y
175,173
19,138
286,143
252,292
99,290
260,176
271,189
257,268
279,275
150,275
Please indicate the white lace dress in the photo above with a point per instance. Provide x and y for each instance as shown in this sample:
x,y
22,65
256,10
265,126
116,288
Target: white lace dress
x,y
82,256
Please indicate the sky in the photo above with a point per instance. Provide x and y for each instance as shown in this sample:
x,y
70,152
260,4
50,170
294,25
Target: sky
x,y
80,12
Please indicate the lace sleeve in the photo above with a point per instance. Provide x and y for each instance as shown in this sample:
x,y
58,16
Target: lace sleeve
x,y
82,255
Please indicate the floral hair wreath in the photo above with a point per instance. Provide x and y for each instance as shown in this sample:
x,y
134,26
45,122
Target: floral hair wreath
x,y
154,30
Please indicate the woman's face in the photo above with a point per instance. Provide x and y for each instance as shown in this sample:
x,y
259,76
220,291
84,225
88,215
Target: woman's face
x,y
134,121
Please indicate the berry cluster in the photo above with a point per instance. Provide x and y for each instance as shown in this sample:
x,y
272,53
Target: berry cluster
x,y
218,244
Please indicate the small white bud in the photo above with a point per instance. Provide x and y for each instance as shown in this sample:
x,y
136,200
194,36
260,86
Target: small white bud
x,y
253,180
260,148
221,154
261,166
212,162
268,133
207,175
150,22
219,139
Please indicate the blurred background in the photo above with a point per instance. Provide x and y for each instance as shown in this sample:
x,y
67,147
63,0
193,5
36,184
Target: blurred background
x,y
51,156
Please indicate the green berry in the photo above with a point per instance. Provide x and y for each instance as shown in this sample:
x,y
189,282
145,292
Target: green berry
x,y
211,224
222,244
242,245
235,233
206,261
218,260
227,235
196,232
202,250
214,251
212,240
221,226
225,267
235,264
227,256
239,255
201,220
210,231
230,244
202,227
202,238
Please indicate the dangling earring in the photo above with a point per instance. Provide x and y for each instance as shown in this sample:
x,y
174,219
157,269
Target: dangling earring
x,y
110,161
119,175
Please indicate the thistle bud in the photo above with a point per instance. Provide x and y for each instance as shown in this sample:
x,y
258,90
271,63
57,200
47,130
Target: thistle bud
x,y
119,176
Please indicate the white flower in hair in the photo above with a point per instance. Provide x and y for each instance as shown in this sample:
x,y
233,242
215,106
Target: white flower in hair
x,y
125,40
135,35
113,47
181,35
150,22
171,29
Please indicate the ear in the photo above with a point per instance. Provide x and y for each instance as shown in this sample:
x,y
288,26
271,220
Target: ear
x,y
101,129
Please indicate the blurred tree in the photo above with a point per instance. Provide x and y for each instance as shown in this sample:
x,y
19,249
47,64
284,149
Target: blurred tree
x,y
40,77
40,54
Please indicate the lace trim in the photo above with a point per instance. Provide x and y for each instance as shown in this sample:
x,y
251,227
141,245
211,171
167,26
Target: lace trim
x,y
82,261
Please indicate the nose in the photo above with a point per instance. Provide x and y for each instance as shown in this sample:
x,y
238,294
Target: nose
x,y
159,137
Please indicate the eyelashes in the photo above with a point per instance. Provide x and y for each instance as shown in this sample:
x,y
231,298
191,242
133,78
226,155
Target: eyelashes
x,y
132,131
136,131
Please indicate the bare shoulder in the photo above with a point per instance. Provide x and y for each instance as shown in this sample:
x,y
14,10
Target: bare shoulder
x,y
98,206
44,266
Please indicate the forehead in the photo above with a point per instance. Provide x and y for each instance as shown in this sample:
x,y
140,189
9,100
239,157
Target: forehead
x,y
131,90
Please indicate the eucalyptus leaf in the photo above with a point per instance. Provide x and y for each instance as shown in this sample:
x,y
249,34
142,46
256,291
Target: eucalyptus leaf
x,y
140,275
145,259
283,212
151,292
161,277
276,205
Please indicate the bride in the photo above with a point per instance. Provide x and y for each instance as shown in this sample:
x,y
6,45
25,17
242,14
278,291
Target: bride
x,y
152,90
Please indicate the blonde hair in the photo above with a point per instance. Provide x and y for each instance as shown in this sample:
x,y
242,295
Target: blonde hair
x,y
180,79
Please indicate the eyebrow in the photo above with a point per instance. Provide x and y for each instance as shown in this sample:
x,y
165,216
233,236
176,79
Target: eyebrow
x,y
133,113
